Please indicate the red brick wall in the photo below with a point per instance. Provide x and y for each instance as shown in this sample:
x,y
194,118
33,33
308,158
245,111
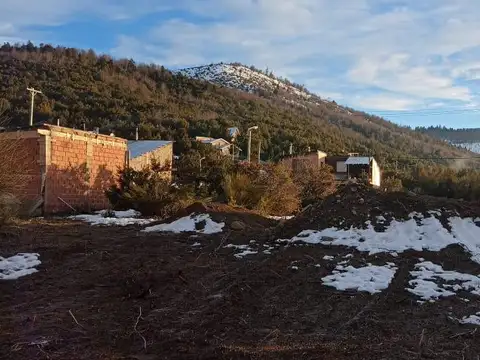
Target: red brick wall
x,y
106,162
30,188
20,170
81,169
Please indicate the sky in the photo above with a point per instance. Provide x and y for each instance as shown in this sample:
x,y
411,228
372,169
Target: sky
x,y
414,62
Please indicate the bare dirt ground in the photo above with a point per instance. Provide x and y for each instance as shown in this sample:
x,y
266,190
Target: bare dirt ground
x,y
118,293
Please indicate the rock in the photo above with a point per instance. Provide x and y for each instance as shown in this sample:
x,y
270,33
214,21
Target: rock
x,y
237,225
361,201
353,189
354,212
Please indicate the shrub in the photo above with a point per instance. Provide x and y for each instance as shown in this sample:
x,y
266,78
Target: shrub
x,y
315,183
268,189
207,180
147,191
392,184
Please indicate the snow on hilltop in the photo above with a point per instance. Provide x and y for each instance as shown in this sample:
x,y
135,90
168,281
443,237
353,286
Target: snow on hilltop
x,y
246,79
240,77
473,147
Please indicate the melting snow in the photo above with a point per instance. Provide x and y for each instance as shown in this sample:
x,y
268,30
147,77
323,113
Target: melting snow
x,y
19,265
472,319
189,223
400,236
120,218
245,253
371,278
431,282
288,217
246,250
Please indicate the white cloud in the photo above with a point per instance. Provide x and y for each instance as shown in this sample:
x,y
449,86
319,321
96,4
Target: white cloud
x,y
385,102
415,51
394,74
363,44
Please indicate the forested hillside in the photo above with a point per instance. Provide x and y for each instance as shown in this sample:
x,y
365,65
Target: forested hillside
x,y
80,87
454,135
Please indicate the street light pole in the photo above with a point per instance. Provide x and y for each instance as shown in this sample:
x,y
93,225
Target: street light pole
x,y
203,158
249,131
33,92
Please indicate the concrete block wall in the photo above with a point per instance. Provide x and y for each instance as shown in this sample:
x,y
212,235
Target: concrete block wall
x,y
163,155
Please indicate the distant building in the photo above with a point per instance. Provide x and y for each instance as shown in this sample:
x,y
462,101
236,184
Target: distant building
x,y
344,166
354,166
316,158
141,154
233,133
221,144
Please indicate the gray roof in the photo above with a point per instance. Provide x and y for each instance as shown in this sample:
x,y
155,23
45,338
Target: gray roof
x,y
358,160
141,147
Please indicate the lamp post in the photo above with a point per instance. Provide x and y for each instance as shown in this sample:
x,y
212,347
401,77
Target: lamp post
x,y
249,131
203,158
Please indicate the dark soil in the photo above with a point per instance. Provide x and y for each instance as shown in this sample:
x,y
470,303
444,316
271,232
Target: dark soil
x,y
203,303
354,204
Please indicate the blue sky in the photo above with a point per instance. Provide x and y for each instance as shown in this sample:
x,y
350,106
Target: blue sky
x,y
416,62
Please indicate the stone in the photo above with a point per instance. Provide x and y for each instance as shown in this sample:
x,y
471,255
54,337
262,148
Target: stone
x,y
361,201
237,225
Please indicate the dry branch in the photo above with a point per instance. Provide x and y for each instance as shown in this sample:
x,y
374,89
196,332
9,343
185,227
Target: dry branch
x,y
135,328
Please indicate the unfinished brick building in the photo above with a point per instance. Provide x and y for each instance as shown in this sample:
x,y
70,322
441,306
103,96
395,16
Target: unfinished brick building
x,y
141,153
67,168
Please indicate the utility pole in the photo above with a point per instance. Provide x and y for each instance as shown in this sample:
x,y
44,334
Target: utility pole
x,y
259,149
249,131
290,151
33,92
136,133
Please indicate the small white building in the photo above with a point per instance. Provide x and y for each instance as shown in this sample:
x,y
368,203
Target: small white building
x,y
221,144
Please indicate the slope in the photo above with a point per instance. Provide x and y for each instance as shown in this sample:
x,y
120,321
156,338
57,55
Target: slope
x,y
464,138
81,88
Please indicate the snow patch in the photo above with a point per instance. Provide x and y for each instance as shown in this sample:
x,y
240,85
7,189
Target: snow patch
x,y
19,265
430,282
472,319
119,218
371,278
288,217
401,236
189,223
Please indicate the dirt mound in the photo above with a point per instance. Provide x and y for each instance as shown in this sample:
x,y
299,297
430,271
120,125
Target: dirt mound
x,y
354,204
227,214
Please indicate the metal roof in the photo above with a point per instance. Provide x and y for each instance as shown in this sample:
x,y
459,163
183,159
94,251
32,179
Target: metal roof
x,y
358,160
141,147
233,131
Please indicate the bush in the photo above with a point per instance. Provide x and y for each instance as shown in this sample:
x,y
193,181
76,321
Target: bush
x,y
392,184
207,180
268,189
147,191
315,183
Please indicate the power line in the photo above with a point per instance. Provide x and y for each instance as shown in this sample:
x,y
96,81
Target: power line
x,y
425,113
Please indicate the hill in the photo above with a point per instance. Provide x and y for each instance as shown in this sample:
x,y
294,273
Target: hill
x,y
81,88
464,138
